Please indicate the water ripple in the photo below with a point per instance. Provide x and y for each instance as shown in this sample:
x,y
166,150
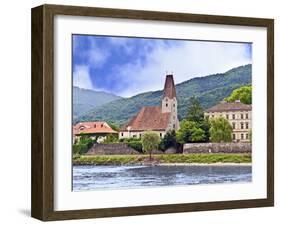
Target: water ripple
x,y
112,177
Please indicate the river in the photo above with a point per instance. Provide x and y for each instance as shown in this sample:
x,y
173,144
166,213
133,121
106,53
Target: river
x,y
89,177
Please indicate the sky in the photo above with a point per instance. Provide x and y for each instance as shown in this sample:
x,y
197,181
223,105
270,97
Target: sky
x,y
128,66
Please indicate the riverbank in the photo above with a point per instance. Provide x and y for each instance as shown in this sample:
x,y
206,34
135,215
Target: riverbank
x,y
208,164
164,159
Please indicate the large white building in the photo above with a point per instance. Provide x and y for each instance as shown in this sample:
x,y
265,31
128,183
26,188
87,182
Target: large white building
x,y
239,116
159,119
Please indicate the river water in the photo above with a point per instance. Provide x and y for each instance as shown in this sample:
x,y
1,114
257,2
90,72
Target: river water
x,y
90,177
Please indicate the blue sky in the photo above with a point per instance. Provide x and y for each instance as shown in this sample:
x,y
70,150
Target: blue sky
x,y
129,66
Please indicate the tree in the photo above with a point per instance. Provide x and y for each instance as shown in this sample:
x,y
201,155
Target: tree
x,y
205,126
244,94
184,133
220,130
190,132
195,111
250,135
113,126
169,140
150,142
197,135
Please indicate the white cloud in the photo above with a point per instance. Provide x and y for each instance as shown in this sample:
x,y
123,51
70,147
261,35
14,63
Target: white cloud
x,y
188,60
124,43
97,57
81,77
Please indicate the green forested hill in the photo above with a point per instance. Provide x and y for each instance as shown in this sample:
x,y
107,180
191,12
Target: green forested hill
x,y
208,89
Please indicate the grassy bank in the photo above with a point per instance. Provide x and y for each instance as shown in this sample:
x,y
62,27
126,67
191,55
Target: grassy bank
x,y
165,158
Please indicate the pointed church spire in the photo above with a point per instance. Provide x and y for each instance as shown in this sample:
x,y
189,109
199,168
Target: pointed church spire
x,y
169,88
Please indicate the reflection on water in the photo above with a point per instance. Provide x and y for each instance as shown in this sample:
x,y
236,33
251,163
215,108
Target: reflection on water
x,y
99,177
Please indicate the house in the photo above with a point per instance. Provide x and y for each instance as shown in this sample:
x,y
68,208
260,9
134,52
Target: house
x,y
159,119
92,129
239,116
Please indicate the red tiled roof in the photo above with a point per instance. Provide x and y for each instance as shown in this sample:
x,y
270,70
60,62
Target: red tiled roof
x,y
169,88
230,106
92,128
148,118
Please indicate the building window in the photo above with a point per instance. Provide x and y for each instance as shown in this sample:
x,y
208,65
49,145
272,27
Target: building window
x,y
122,134
242,116
247,136
134,135
174,105
247,125
161,135
166,105
247,116
227,117
242,136
101,125
242,125
233,116
233,136
140,135
233,125
95,125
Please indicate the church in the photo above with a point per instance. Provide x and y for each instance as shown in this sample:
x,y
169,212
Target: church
x,y
159,119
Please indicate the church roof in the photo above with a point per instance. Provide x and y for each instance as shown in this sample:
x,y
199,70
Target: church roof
x,y
169,88
148,119
230,106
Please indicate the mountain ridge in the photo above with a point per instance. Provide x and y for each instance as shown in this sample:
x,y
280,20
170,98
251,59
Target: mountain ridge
x,y
85,100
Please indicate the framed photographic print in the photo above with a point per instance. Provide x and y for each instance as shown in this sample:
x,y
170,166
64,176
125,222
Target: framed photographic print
x,y
141,112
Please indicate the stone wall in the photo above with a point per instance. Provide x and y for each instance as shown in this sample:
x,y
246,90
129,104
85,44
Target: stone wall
x,y
111,149
217,148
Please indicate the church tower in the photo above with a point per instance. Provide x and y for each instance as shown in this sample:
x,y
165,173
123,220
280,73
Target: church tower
x,y
170,103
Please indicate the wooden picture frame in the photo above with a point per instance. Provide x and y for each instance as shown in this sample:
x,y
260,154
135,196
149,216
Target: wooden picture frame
x,y
42,203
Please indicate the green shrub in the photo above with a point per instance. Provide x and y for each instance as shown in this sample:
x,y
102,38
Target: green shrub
x,y
127,140
80,149
137,145
83,145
